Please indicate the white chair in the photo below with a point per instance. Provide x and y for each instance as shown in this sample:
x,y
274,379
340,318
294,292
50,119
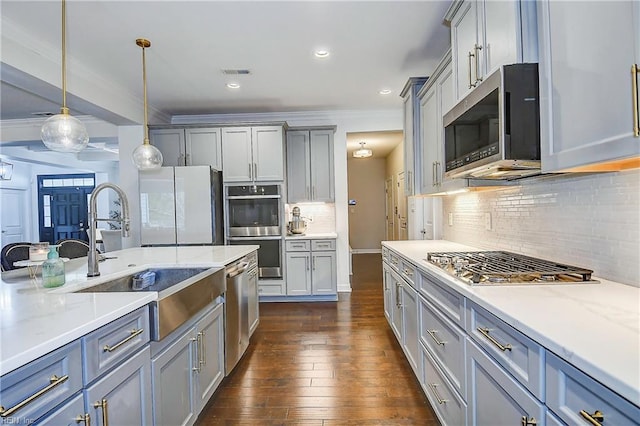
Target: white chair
x,y
112,240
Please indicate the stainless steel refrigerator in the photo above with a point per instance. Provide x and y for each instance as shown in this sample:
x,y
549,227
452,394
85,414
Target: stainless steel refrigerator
x,y
181,206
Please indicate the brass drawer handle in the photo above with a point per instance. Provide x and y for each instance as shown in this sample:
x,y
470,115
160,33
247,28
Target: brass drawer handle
x,y
596,419
485,333
105,413
53,382
432,333
83,418
133,333
440,400
635,69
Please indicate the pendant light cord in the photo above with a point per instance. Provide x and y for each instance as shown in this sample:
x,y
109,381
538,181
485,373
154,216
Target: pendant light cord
x,y
144,95
64,109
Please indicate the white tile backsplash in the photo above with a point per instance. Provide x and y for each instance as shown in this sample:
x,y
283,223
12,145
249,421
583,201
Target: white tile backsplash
x,y
322,216
591,221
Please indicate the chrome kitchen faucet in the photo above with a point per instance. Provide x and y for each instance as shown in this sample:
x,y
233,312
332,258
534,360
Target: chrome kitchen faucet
x,y
92,258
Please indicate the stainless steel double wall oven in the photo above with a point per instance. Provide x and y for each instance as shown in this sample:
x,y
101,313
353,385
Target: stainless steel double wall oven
x,y
254,216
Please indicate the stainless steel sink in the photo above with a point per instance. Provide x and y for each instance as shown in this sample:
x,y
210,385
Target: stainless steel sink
x,y
182,292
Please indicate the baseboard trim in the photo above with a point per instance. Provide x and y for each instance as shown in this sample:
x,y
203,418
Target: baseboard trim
x,y
365,251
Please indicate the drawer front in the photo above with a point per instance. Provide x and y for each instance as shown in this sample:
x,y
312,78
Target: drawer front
x,y
385,254
494,397
518,354
408,272
446,300
323,245
446,343
573,396
298,245
70,414
271,289
449,407
109,346
394,261
32,390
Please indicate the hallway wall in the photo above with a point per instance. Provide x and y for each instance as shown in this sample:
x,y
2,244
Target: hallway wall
x,y
366,218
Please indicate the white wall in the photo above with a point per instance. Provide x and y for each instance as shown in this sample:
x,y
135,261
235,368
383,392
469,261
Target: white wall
x,y
591,221
367,216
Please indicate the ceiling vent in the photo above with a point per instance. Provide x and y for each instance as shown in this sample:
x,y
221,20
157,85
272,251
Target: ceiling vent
x,y
43,114
236,72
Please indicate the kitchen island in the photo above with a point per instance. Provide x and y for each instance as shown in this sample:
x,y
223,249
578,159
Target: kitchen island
x,y
581,336
34,321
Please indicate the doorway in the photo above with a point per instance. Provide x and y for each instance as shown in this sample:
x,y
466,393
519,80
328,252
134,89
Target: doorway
x,y
14,229
63,206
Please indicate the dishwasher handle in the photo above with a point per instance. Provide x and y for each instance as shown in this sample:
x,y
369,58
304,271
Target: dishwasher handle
x,y
236,269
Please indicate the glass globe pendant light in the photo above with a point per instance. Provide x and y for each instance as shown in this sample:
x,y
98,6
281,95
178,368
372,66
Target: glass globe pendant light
x,y
146,156
62,132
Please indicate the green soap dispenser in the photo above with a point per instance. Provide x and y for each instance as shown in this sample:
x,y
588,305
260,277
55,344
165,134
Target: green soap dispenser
x,y
53,269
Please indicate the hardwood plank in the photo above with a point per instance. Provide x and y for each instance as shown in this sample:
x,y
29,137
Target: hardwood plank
x,y
324,364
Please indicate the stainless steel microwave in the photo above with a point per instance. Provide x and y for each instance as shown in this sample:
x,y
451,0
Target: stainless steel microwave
x,y
494,133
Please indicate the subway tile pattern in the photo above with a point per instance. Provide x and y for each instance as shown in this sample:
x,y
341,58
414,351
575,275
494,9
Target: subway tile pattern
x,y
323,216
591,221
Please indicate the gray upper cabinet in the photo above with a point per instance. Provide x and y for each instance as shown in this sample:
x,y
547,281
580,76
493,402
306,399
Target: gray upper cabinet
x,y
189,147
488,34
586,87
253,154
412,135
310,174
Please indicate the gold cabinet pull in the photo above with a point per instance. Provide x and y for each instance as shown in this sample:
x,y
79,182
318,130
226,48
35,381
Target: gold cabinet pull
x,y
477,48
105,412
133,333
485,333
469,69
596,419
440,400
525,421
432,333
635,69
83,418
53,382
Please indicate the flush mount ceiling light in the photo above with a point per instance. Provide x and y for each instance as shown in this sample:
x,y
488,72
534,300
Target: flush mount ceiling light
x,y
6,170
385,91
146,156
362,152
62,132
233,85
321,53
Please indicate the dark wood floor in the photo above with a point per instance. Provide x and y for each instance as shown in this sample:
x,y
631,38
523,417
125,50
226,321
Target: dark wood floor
x,y
324,364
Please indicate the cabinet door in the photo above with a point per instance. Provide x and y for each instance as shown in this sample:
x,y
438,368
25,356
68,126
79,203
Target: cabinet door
x,y
203,147
268,158
70,414
585,82
298,274
254,304
396,298
494,397
123,395
172,145
388,293
410,326
323,273
501,21
464,38
210,355
298,171
322,179
236,154
173,377
431,129
409,151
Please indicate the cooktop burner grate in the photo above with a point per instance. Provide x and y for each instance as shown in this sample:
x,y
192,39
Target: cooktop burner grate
x,y
497,267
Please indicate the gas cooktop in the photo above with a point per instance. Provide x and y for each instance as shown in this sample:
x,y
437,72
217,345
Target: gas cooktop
x,y
505,268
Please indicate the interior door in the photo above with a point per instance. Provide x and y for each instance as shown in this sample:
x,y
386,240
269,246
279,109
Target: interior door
x,y
389,218
401,208
69,214
12,207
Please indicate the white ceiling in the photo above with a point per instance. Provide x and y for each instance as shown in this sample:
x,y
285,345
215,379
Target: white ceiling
x,y
374,45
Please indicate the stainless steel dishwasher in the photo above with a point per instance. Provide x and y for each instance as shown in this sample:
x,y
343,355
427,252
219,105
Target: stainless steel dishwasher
x,y
236,313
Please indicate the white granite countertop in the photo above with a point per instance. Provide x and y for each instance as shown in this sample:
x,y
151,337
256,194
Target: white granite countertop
x,y
35,320
312,236
595,327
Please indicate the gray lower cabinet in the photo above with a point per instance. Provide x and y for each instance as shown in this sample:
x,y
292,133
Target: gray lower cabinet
x,y
298,273
311,267
254,301
122,396
387,282
188,370
70,414
409,305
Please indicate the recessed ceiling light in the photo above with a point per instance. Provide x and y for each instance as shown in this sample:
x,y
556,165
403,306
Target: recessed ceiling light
x,y
321,53
233,85
385,91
